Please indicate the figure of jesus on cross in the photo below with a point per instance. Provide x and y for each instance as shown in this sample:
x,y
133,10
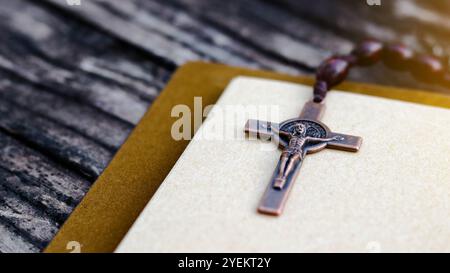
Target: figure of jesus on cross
x,y
295,151
297,137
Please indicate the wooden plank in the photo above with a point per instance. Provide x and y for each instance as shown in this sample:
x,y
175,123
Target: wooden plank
x,y
153,42
81,118
148,16
64,145
100,94
260,31
294,25
134,22
349,18
32,192
10,242
184,29
260,17
36,195
46,57
282,40
432,25
25,219
389,22
357,21
68,119
17,158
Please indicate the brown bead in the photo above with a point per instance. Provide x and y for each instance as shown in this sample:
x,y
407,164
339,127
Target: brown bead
x,y
427,69
368,52
333,71
397,56
320,91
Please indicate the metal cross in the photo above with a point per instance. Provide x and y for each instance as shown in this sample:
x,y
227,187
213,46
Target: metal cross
x,y
297,137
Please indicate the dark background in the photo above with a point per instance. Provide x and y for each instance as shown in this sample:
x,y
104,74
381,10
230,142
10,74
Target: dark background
x,y
75,80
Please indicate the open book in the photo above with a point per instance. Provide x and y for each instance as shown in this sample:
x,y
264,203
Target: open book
x,y
393,195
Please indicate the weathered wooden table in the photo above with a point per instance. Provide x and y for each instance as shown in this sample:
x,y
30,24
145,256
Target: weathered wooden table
x,y
75,80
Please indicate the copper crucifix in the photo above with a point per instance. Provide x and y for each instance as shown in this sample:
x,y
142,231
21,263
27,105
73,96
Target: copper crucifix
x,y
297,137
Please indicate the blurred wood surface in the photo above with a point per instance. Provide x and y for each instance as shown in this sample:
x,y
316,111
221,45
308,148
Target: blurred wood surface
x,y
75,80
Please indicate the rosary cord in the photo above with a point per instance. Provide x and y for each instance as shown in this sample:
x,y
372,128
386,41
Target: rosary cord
x,y
335,69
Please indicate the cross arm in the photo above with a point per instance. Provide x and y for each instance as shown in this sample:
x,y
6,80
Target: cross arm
x,y
265,130
344,142
261,129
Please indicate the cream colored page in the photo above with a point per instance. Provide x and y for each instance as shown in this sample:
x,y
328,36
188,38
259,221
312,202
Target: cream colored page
x,y
393,195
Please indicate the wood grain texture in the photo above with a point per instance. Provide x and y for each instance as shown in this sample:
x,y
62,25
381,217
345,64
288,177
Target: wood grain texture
x,y
74,81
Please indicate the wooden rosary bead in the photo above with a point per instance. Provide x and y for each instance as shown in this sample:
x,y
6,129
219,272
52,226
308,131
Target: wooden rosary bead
x,y
368,52
333,71
397,56
427,69
320,91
